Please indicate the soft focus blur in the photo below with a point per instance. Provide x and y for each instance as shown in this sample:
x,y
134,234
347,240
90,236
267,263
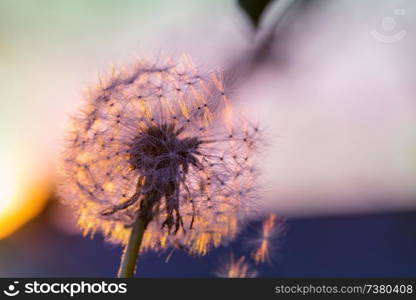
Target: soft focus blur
x,y
331,84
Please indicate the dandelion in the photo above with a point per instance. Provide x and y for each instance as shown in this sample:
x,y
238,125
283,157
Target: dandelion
x,y
271,230
156,159
239,268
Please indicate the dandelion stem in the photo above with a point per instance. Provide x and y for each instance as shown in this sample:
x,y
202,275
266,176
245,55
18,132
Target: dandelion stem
x,y
131,252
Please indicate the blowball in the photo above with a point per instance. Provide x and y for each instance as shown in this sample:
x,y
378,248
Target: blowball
x,y
159,141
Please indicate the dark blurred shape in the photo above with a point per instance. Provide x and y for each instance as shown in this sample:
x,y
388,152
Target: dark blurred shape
x,y
269,47
254,9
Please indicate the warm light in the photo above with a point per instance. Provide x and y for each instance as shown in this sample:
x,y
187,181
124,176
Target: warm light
x,y
8,186
22,196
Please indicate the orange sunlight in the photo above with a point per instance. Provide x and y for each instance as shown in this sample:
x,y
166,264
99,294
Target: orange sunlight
x,y
22,196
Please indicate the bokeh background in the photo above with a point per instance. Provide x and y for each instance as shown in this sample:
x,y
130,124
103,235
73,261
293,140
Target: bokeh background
x,y
331,82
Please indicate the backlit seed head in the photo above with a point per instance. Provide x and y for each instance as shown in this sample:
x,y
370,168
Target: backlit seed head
x,y
160,141
268,240
236,268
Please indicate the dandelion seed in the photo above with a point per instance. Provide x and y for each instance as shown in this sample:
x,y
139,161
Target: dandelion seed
x,y
239,268
152,143
271,230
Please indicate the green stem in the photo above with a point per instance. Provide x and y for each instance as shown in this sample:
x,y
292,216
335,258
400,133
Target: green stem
x,y
131,251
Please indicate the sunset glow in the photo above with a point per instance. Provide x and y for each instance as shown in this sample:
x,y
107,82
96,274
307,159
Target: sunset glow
x,y
21,196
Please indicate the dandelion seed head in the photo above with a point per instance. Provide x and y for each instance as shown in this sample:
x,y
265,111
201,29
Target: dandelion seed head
x,y
157,140
265,243
236,268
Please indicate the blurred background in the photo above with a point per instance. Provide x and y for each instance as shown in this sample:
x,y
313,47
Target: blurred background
x,y
331,82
